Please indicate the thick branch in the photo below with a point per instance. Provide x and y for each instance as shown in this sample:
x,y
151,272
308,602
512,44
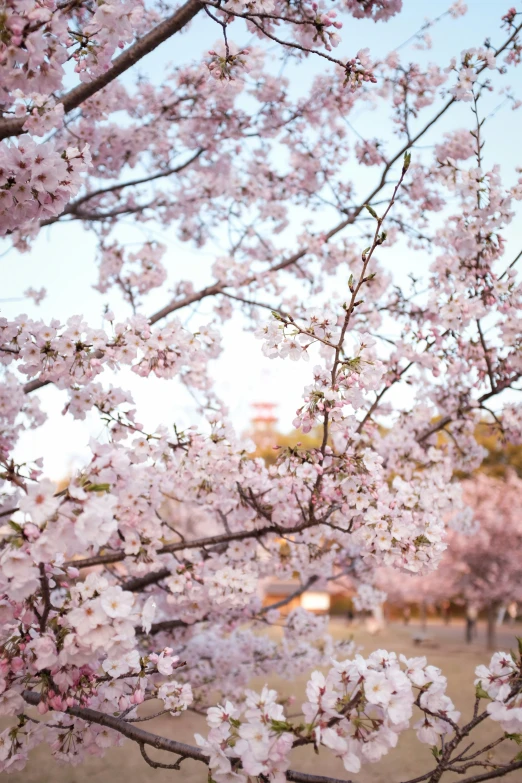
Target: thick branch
x,y
221,538
496,773
127,729
46,596
169,625
137,583
143,738
128,58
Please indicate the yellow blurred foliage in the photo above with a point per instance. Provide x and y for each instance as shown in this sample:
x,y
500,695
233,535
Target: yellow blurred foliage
x,y
501,455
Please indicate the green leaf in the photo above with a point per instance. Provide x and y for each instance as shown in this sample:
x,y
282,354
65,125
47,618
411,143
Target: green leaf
x,y
480,693
281,725
435,751
407,161
515,737
372,212
98,488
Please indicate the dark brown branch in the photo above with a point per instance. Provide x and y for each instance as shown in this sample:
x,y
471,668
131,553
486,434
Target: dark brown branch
x,y
137,583
169,625
221,538
487,357
128,58
129,730
158,764
143,738
485,749
46,597
32,386
497,773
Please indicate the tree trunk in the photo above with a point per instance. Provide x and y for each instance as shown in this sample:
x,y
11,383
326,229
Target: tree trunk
x,y
492,627
471,625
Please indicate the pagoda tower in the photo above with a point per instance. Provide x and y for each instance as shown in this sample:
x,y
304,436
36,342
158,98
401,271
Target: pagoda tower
x,y
264,422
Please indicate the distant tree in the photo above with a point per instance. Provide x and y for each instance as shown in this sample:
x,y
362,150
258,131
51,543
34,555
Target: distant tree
x,y
484,566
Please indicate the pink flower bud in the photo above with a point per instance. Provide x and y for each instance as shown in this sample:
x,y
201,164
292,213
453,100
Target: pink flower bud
x,y
139,696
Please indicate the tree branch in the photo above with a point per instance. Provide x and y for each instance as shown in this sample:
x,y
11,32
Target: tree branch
x,y
178,546
449,418
46,596
128,58
72,207
486,355
143,738
284,601
128,730
497,773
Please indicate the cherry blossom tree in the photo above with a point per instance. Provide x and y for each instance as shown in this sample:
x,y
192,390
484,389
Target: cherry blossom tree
x,y
485,567
481,566
139,580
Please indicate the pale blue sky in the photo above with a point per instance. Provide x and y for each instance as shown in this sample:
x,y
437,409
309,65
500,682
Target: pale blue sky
x,y
62,258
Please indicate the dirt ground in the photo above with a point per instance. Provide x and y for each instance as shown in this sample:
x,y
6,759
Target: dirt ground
x,y
444,647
